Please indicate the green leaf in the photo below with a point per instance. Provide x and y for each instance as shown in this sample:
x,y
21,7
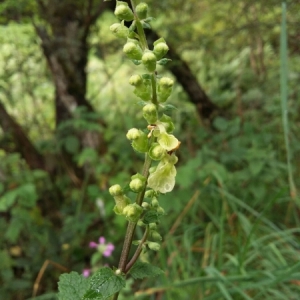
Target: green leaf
x,y
7,200
150,217
72,286
104,284
142,270
72,144
164,61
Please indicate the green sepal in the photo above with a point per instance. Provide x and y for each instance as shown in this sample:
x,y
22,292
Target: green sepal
x,y
160,48
141,10
150,113
141,144
167,122
149,60
133,212
133,50
164,88
146,25
123,11
120,30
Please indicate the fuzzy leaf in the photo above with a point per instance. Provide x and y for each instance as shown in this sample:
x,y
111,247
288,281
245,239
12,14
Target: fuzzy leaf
x,y
164,61
150,217
142,270
104,284
72,286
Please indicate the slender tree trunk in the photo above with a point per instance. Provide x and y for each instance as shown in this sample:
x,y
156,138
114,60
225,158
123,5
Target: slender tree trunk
x,y
21,143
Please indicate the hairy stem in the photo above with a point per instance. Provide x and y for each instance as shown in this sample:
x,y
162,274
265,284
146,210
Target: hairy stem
x,y
137,251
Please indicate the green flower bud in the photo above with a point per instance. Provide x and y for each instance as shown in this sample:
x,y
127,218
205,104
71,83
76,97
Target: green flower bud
x,y
136,80
155,202
149,194
132,212
155,235
123,11
146,205
141,144
136,185
164,89
149,60
121,203
133,134
116,190
153,246
152,226
119,30
142,10
150,113
160,211
141,223
157,152
133,51
160,50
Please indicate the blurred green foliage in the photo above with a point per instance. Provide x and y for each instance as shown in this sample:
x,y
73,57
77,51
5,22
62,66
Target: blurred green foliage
x,y
232,230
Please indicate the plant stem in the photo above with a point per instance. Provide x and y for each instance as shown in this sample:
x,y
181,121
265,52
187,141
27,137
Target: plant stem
x,y
137,251
139,27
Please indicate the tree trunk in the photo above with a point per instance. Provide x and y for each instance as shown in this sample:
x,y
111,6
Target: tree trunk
x,y
21,143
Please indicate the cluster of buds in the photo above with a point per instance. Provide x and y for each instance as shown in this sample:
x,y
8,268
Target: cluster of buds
x,y
157,141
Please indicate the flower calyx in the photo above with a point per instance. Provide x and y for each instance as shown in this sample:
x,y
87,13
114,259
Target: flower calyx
x,y
123,11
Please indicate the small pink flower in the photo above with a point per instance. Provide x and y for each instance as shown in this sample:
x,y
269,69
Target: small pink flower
x,y
86,272
105,249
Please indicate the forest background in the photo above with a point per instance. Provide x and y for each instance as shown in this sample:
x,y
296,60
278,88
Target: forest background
x,y
232,225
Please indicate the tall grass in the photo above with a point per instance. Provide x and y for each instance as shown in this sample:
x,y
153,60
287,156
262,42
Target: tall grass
x,y
227,248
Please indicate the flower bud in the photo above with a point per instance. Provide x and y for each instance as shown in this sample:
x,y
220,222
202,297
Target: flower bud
x,y
121,202
152,226
149,60
141,10
141,144
132,212
145,205
157,152
149,194
160,50
136,185
155,202
123,11
141,223
164,90
155,235
150,113
153,246
119,30
133,134
133,51
160,211
136,80
116,190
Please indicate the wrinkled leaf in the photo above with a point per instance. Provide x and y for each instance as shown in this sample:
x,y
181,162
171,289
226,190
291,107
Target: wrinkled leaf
x,y
104,284
142,270
72,286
